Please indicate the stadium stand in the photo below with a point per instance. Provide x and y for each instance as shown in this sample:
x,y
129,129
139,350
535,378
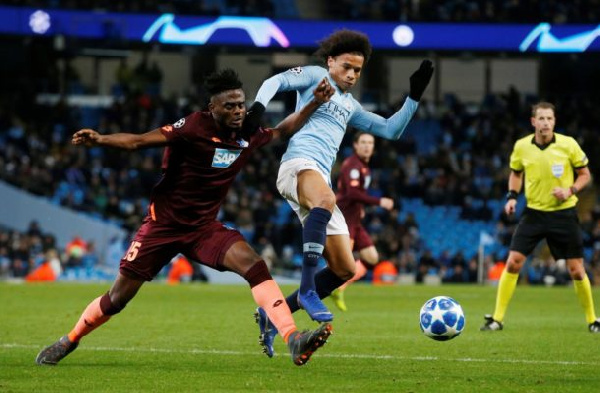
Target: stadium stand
x,y
447,173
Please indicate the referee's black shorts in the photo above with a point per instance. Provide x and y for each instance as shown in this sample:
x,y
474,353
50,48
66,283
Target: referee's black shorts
x,y
560,229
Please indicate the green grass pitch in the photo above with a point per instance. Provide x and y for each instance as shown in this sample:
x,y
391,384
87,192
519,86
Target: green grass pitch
x,y
203,338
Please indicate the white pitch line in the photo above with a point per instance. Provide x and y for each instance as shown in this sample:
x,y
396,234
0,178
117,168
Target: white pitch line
x,y
326,355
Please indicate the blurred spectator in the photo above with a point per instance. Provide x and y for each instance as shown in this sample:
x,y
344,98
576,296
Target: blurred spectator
x,y
490,11
75,250
495,271
48,270
181,270
385,273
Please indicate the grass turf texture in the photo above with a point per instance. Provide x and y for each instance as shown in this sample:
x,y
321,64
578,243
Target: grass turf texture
x,y
203,338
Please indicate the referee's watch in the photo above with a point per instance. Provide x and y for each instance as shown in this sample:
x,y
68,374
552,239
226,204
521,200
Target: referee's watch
x,y
573,190
511,195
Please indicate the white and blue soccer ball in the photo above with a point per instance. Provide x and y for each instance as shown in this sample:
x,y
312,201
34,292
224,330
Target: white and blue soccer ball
x,y
442,318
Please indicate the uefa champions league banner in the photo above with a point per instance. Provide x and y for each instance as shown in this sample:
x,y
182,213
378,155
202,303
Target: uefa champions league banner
x,y
265,32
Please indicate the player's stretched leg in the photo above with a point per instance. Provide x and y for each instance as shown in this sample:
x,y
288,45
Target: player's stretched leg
x,y
273,313
583,289
341,266
98,312
325,281
275,317
315,195
337,295
368,258
303,344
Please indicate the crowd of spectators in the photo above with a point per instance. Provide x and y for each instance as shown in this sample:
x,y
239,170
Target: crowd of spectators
x,y
468,162
488,11
465,166
184,7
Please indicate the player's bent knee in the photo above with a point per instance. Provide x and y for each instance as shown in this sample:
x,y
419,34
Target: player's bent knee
x,y
258,273
328,202
514,264
108,307
346,273
371,260
576,269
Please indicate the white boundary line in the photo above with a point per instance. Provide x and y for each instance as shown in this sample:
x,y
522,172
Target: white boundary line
x,y
326,355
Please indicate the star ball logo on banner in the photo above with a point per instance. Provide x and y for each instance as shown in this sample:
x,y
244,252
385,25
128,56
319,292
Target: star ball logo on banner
x,y
260,30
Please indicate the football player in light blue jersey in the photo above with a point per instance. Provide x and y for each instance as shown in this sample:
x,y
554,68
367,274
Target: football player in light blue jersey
x,y
304,175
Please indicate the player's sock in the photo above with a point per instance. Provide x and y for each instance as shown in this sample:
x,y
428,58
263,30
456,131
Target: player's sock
x,y
313,236
92,317
268,296
361,270
583,289
325,282
506,288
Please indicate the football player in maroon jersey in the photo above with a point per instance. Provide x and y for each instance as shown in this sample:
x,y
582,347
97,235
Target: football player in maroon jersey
x,y
352,196
203,154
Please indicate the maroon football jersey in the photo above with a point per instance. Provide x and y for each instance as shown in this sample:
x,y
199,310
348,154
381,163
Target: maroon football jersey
x,y
353,181
198,168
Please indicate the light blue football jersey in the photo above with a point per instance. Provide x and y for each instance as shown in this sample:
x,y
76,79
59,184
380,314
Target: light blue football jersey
x,y
320,138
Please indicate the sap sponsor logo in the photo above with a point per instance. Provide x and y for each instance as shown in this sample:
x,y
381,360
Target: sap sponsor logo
x,y
179,123
223,158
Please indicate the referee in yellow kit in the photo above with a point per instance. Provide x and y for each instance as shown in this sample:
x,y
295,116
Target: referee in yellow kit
x,y
548,162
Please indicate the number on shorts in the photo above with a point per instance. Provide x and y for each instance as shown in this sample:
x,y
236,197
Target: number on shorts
x,y
133,251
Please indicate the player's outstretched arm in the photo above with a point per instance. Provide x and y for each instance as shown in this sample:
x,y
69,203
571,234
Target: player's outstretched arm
x,y
420,79
126,141
296,120
393,127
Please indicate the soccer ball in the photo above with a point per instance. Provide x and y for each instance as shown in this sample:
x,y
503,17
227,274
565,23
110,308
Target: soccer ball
x,y
441,318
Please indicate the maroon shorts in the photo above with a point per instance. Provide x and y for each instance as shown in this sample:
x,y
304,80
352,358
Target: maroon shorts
x,y
154,245
359,238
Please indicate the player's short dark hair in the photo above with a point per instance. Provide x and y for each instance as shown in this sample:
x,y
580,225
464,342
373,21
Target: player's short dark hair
x,y
221,81
542,105
358,134
345,41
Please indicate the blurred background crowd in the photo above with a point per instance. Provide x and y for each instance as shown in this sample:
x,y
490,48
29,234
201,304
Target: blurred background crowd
x,y
448,173
501,11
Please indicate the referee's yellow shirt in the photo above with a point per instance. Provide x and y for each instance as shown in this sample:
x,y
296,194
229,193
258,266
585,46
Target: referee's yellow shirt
x,y
546,168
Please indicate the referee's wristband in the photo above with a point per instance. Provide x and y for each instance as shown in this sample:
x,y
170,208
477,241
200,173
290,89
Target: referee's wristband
x,y
511,195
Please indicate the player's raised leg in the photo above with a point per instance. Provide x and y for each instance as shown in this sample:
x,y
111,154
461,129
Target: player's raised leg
x,y
340,267
369,257
326,280
315,195
98,312
242,259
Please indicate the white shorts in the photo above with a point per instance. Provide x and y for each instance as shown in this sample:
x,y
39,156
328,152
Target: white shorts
x,y
287,185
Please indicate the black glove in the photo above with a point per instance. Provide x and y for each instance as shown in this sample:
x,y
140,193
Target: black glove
x,y
252,120
420,79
